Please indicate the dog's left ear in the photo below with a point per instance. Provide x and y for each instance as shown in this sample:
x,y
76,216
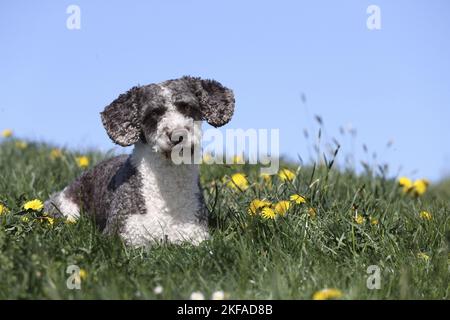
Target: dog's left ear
x,y
121,118
216,101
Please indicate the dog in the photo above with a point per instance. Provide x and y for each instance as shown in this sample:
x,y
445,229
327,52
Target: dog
x,y
145,197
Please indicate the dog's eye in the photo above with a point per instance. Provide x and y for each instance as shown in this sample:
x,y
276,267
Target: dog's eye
x,y
184,107
188,109
182,104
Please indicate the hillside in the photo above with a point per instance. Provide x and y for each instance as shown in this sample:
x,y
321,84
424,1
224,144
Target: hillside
x,y
332,227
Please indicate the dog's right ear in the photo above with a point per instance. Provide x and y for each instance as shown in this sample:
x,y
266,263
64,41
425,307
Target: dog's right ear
x,y
121,118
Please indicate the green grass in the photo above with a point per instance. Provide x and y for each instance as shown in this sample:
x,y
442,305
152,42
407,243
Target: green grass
x,y
249,257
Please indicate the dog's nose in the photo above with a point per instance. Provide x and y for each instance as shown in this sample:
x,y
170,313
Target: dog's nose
x,y
180,139
176,137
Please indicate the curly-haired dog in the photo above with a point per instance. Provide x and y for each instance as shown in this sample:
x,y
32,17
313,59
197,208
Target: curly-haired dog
x,y
145,197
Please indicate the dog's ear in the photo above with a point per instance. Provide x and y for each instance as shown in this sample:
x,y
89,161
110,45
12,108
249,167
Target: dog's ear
x,y
216,101
121,118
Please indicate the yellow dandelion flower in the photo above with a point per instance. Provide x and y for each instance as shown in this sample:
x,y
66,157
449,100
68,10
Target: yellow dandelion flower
x,y
359,219
21,145
312,213
406,183
49,220
256,205
3,209
425,215
266,181
238,182
423,256
35,205
82,162
286,174
268,213
83,274
282,207
266,177
327,294
297,199
7,133
71,220
55,154
374,221
420,186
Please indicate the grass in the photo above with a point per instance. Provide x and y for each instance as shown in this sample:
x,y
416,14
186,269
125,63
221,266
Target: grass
x,y
248,257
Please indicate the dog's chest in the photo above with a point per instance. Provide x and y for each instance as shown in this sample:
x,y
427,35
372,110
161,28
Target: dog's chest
x,y
171,201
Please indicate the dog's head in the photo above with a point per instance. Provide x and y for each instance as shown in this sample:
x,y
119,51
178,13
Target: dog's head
x,y
163,115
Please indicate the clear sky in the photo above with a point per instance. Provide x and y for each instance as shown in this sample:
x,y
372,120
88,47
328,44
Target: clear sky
x,y
392,83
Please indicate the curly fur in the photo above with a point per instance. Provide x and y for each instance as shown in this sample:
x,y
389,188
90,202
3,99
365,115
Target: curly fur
x,y
145,197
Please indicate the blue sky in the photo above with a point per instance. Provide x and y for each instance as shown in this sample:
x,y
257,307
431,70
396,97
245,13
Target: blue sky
x,y
391,83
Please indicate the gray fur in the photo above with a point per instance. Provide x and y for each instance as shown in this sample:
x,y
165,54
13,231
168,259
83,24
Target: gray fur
x,y
111,191
105,192
212,101
121,118
134,114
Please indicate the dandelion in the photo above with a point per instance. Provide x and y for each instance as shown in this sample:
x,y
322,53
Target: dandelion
x,y
3,209
238,182
423,256
82,162
256,205
197,296
286,174
218,295
35,205
359,219
158,290
83,274
312,213
22,145
266,181
420,186
327,294
71,220
406,183
374,221
55,154
49,220
425,215
25,219
268,213
7,133
298,199
282,207
267,178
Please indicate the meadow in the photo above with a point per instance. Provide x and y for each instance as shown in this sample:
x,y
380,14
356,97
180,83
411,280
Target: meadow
x,y
288,236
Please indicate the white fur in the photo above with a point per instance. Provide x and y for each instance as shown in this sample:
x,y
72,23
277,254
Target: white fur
x,y
170,191
173,121
170,194
67,207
